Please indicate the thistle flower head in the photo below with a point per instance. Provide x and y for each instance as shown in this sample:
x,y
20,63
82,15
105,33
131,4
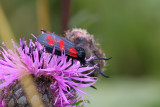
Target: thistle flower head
x,y
66,75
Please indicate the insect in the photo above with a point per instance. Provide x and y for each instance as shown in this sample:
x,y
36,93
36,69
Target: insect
x,y
51,40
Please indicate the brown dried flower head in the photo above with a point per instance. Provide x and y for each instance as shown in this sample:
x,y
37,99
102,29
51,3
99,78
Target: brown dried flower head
x,y
85,40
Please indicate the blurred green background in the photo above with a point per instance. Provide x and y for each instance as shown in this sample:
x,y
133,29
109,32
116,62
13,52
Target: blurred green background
x,y
127,30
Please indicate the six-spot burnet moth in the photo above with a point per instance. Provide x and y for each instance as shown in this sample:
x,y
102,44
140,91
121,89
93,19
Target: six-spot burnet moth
x,y
52,41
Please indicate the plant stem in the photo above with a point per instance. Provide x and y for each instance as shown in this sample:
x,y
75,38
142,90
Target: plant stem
x,y
65,15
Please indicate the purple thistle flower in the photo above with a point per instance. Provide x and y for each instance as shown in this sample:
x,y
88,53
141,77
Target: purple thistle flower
x,y
67,76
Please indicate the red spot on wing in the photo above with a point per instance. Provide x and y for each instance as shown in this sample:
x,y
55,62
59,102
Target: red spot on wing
x,y
61,42
61,47
72,54
49,37
51,42
72,50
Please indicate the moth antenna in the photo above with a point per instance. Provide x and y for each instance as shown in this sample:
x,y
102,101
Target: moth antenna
x,y
101,73
103,58
93,87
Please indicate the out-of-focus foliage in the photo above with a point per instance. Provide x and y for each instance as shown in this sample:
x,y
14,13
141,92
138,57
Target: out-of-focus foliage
x,y
127,30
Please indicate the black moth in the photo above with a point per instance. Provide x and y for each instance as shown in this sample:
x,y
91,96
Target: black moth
x,y
51,41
